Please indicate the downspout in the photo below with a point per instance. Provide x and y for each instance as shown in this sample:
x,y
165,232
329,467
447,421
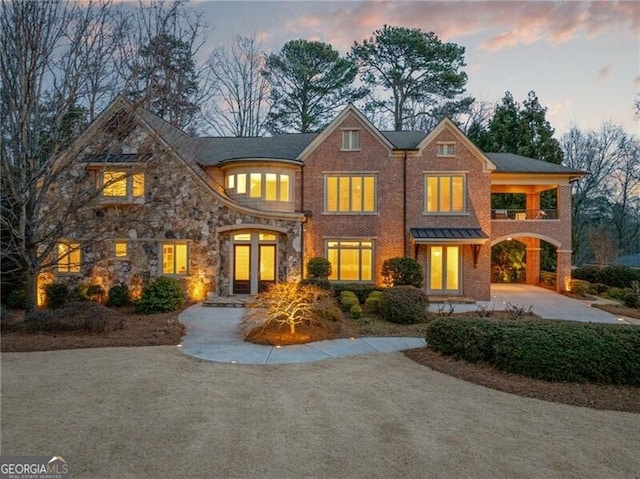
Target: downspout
x,y
404,203
303,222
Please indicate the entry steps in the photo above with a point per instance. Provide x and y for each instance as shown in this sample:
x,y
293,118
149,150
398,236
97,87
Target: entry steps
x,y
235,301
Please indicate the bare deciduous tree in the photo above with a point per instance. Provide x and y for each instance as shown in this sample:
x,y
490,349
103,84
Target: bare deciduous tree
x,y
47,49
241,101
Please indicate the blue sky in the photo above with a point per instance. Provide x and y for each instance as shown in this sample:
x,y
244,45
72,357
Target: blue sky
x,y
581,58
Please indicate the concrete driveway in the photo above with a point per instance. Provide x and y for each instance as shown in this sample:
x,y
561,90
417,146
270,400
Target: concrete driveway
x,y
156,413
547,304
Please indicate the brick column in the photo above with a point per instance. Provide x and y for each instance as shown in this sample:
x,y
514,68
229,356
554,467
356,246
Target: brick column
x,y
533,260
563,270
533,203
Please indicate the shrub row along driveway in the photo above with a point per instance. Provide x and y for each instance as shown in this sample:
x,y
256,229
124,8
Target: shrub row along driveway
x,y
154,412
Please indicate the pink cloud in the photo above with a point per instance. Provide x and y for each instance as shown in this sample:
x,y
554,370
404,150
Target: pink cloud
x,y
507,23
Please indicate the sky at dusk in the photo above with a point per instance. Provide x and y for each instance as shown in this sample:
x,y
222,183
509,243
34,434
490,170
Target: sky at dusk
x,y
581,58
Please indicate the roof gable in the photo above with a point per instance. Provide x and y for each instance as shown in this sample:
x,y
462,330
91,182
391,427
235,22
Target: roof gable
x,y
335,124
447,124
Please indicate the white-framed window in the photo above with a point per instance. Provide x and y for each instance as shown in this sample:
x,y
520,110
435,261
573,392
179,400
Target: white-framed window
x,y
120,184
445,193
175,258
350,140
351,260
68,257
446,149
350,193
121,249
264,186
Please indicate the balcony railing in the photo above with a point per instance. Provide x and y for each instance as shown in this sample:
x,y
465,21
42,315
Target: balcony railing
x,y
522,215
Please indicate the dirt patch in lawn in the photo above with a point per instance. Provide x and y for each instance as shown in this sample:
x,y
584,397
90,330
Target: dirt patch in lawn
x,y
596,396
124,328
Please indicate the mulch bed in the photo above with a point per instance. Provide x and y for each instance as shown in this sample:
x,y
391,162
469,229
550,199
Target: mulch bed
x,y
595,396
280,335
126,329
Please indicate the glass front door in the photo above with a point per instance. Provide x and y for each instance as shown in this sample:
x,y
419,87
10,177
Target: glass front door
x,y
242,269
254,262
444,270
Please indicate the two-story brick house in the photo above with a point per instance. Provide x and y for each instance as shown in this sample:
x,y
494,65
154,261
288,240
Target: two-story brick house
x,y
233,215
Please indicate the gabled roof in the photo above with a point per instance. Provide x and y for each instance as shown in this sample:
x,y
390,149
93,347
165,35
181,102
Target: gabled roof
x,y
511,163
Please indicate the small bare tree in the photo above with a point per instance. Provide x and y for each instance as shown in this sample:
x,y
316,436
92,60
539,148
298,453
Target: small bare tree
x,y
241,101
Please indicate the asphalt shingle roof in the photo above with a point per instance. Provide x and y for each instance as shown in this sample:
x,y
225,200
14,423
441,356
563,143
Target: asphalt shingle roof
x,y
511,163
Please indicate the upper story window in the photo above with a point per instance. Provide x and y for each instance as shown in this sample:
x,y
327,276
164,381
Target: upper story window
x,y
353,193
120,184
264,186
68,257
445,194
350,140
446,149
175,258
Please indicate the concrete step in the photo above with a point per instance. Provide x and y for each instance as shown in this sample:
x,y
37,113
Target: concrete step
x,y
236,301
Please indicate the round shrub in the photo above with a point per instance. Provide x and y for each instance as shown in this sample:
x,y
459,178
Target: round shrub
x,y
580,287
119,296
630,298
361,290
404,304
402,271
349,302
56,295
375,294
350,294
160,295
356,311
17,299
372,304
319,267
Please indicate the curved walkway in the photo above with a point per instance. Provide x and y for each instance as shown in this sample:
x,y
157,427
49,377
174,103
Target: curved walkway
x,y
213,334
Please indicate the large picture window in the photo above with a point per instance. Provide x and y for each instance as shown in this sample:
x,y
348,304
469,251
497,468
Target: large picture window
x,y
175,258
264,186
68,257
350,194
120,184
350,260
445,194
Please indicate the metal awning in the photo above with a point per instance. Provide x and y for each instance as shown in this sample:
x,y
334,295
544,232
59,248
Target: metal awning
x,y
449,235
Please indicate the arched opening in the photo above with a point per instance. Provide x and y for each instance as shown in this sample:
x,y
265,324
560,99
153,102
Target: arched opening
x,y
508,262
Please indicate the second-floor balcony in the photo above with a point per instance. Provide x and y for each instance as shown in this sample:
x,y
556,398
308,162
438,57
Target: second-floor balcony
x,y
524,214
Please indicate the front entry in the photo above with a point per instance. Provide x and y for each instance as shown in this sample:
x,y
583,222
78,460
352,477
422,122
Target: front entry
x,y
443,270
254,262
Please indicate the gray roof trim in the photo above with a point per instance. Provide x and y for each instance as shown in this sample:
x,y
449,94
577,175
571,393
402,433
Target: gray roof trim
x,y
109,158
511,163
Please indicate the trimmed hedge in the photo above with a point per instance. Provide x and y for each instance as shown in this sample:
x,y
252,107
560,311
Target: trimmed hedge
x,y
404,305
361,290
549,350
616,276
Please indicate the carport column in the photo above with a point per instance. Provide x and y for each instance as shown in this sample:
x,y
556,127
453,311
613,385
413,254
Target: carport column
x,y
533,260
563,270
533,204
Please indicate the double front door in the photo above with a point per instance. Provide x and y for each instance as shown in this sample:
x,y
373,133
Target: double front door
x,y
443,270
254,262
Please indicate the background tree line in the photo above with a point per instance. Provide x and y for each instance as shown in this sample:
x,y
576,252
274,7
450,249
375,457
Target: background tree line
x,y
63,62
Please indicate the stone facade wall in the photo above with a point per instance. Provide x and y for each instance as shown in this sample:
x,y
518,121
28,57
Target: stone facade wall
x,y
178,206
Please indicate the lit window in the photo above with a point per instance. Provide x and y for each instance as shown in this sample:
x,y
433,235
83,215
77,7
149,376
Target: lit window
x,y
267,237
350,260
120,184
284,187
255,185
242,237
175,258
270,187
445,194
68,260
350,140
231,181
350,194
446,149
242,184
121,249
